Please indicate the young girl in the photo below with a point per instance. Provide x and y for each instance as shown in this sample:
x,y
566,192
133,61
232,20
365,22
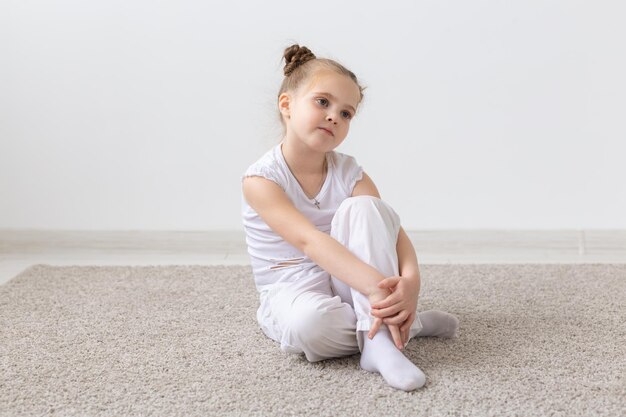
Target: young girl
x,y
335,271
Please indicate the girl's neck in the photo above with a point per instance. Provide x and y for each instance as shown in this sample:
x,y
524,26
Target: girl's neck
x,y
302,159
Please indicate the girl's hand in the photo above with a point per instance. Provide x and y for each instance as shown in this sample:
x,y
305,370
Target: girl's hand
x,y
399,307
398,337
380,294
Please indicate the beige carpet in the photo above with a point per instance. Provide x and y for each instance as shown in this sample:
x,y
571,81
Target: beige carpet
x,y
93,341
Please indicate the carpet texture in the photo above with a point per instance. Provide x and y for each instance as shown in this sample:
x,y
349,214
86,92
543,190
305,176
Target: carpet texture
x,y
183,341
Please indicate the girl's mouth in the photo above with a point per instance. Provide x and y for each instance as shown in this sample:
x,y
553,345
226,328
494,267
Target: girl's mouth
x,y
327,131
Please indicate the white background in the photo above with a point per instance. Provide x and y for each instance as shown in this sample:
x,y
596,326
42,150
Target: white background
x,y
142,115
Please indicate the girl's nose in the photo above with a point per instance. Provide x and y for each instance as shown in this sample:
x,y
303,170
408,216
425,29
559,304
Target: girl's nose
x,y
331,119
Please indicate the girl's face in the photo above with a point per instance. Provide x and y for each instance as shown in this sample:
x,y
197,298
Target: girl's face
x,y
319,113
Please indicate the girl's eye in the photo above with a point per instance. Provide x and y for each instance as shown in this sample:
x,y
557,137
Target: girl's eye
x,y
346,115
322,101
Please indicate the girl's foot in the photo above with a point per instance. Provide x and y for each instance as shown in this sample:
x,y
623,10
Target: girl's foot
x,y
438,323
381,355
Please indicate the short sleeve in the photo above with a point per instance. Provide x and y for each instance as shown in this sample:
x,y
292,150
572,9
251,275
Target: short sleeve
x,y
349,170
260,170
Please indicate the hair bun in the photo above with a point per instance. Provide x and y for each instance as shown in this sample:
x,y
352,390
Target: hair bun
x,y
296,55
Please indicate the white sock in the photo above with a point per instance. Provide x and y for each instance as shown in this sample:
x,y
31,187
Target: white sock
x,y
381,355
438,323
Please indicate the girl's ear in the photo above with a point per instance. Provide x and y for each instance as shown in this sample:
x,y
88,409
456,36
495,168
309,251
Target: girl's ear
x,y
283,104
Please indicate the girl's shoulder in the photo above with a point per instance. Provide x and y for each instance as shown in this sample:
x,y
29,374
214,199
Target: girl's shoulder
x,y
344,162
347,169
268,166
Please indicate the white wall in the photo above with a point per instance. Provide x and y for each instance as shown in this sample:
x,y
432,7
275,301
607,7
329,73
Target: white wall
x,y
478,114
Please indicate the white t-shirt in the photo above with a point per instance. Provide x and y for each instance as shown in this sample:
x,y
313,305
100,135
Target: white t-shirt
x,y
273,259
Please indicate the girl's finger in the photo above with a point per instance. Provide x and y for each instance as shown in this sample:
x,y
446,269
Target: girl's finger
x,y
389,282
407,326
391,299
408,322
374,329
398,319
393,320
395,334
386,312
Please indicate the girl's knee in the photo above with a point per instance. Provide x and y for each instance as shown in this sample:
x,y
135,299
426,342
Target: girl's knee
x,y
361,201
364,209
307,324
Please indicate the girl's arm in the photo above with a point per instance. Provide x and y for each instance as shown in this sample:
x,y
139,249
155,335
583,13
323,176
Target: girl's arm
x,y
402,304
407,259
275,208
399,308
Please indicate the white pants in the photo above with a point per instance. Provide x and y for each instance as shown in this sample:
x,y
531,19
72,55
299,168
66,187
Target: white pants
x,y
320,315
